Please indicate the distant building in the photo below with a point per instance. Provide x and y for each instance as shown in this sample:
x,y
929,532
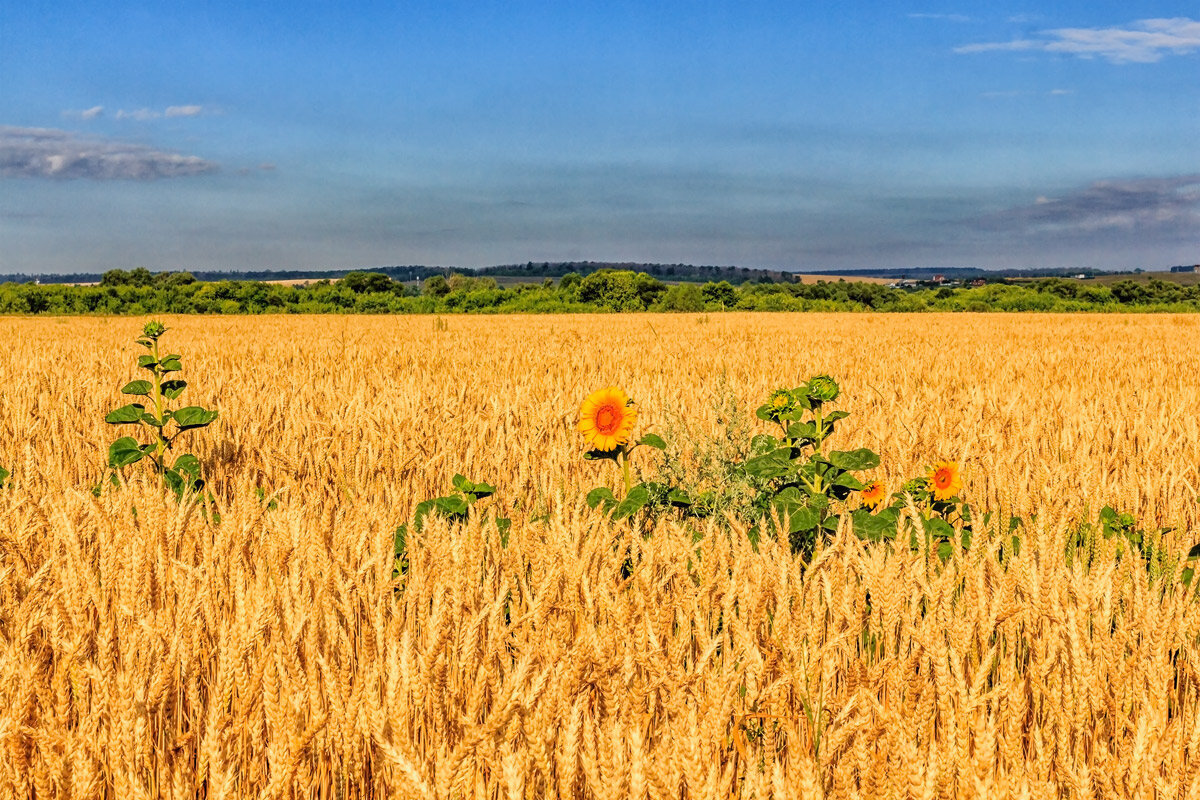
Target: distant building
x,y
975,284
939,279
1193,268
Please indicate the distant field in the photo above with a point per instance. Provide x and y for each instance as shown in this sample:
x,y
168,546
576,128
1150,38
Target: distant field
x,y
1183,278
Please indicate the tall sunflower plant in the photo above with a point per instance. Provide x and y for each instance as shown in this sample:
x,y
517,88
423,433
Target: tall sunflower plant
x,y
802,487
607,418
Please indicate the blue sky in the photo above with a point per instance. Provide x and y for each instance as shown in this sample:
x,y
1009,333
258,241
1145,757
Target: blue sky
x,y
766,134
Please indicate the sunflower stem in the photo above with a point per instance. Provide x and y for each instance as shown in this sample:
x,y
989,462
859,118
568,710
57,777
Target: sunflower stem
x,y
625,470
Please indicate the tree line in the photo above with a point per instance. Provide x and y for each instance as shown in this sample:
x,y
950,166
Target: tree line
x,y
139,291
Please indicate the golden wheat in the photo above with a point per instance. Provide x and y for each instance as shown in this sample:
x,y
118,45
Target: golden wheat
x,y
147,652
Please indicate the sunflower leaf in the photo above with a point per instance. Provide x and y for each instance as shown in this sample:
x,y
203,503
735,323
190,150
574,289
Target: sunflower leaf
x,y
653,440
601,495
637,498
600,455
859,459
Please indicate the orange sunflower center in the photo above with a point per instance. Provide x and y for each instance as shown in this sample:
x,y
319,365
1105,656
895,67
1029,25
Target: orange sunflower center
x,y
608,419
942,478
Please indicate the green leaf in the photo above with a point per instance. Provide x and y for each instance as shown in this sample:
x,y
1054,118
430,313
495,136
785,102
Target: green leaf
x,y
190,417
600,455
170,364
452,506
400,540
461,483
773,465
803,430
637,498
653,440
939,528
764,443
504,526
4,476
483,490
147,362
859,459
189,465
172,389
678,497
150,419
1194,552
601,495
803,519
423,509
137,387
146,343
834,416
765,413
849,482
124,451
126,415
788,500
875,527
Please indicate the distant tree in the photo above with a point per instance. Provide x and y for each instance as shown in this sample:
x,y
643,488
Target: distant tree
x,y
115,277
722,294
683,297
363,282
141,277
435,286
170,279
569,280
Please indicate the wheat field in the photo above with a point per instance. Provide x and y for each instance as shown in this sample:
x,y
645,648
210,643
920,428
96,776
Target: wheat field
x,y
148,651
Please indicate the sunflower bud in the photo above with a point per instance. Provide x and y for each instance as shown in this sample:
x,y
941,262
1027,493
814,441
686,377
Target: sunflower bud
x,y
821,389
154,329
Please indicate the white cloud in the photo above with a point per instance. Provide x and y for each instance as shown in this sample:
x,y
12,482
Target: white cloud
x,y
943,17
1143,41
183,111
140,115
58,154
87,113
147,114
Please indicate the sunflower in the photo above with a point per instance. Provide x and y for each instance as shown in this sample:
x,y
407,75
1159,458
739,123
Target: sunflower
x,y
874,494
606,418
780,401
945,479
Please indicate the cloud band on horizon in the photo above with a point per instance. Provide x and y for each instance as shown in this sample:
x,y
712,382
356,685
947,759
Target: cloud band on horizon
x,y
62,155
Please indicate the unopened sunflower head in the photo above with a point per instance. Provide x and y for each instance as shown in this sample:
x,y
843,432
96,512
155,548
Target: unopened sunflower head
x,y
945,480
822,389
606,419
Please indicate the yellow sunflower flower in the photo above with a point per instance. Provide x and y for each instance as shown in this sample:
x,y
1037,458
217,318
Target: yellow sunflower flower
x,y
945,480
874,494
606,419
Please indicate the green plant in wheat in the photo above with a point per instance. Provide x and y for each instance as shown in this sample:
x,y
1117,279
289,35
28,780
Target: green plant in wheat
x,y
455,507
4,476
798,481
159,424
